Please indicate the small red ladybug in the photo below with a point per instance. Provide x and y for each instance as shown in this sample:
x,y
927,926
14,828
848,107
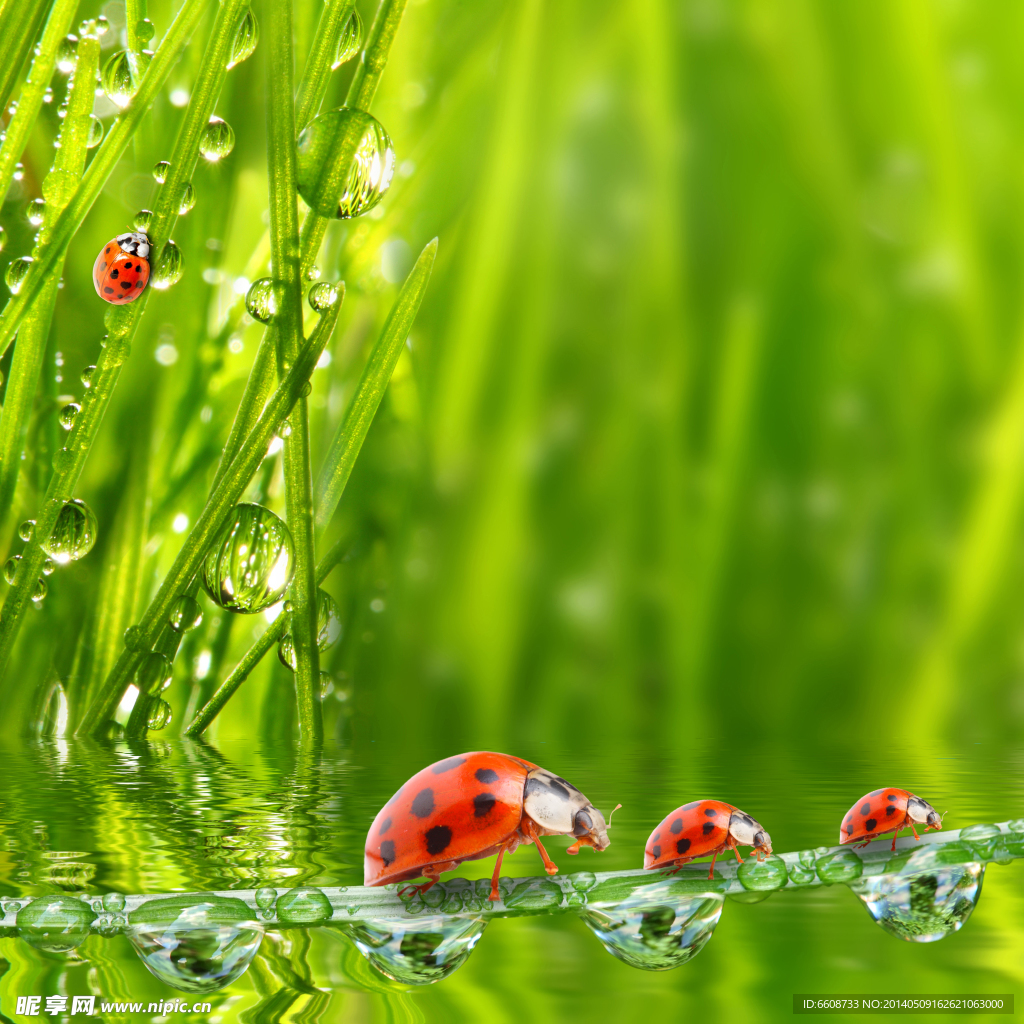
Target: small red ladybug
x,y
702,827
121,271
473,806
887,810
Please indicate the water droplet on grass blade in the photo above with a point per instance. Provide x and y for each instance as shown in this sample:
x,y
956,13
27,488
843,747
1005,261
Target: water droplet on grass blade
x,y
35,211
159,715
160,169
145,30
27,530
841,866
142,220
251,562
11,568
39,590
186,614
323,296
154,673
134,639
73,534
95,132
763,875
304,905
322,180
68,413
67,54
55,924
16,272
261,300
218,140
313,274
97,27
48,566
328,629
265,900
87,376
170,267
3,238
247,35
187,199
350,41
420,952
122,74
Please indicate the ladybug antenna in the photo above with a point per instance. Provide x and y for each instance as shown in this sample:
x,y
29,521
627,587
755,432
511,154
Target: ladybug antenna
x,y
610,813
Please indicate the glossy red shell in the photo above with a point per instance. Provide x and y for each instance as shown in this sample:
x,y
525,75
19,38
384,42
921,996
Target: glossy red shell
x,y
697,829
879,812
118,276
462,808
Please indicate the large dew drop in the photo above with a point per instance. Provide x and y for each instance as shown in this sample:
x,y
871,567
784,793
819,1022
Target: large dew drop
x,y
261,300
154,672
323,296
328,629
67,415
74,533
658,927
247,35
55,924
420,952
67,54
122,75
304,905
170,267
217,141
925,906
251,562
16,272
195,946
159,715
350,42
322,179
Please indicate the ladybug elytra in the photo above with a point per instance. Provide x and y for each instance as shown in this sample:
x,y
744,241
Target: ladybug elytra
x,y
470,807
887,810
700,828
121,271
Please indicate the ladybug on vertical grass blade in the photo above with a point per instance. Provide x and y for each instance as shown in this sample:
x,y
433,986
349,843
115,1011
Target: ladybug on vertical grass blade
x,y
473,806
121,271
887,810
700,828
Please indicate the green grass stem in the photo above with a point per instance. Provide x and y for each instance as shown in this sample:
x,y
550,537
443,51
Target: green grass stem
x,y
317,73
21,22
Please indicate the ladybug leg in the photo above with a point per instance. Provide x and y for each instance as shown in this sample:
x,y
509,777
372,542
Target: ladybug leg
x,y
894,835
422,888
495,895
736,850
711,870
531,833
914,830
575,848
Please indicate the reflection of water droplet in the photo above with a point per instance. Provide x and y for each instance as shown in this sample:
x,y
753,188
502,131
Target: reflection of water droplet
x,y
195,946
303,905
87,376
261,300
95,136
122,74
658,927
247,35
265,900
11,568
420,952
35,212
187,199
160,169
74,533
159,715
251,562
169,269
54,720
55,924
323,296
218,139
763,875
16,273
185,614
27,530
328,629
841,866
154,672
67,54
320,179
67,415
926,906
350,42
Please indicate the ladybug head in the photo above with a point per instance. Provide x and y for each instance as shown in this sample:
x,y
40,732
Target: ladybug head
x,y
560,808
590,828
922,813
135,243
748,832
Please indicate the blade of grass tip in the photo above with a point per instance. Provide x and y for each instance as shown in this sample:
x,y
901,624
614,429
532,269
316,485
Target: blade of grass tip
x,y
121,320
58,187
30,102
348,441
317,73
338,464
135,12
21,22
210,521
284,257
95,178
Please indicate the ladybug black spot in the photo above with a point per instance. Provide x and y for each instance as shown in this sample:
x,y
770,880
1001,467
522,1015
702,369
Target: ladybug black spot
x,y
890,811
870,824
677,826
711,812
486,775
483,803
114,272
128,266
107,249
709,827
387,852
138,284
423,805
682,846
656,852
446,766
384,826
109,291
892,796
126,284
438,838
657,836
865,808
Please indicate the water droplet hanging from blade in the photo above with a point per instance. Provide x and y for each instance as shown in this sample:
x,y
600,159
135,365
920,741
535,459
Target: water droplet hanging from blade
x,y
73,534
247,35
350,41
217,141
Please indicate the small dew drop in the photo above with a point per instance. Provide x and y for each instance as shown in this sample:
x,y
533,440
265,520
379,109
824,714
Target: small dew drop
x,y
313,274
27,530
145,30
94,27
122,74
34,212
187,199
169,269
247,35
11,568
67,54
261,300
95,136
186,614
350,41
160,171
159,716
87,376
19,171
3,239
285,430
68,413
141,220
39,590
133,639
16,272
73,534
154,673
322,296
48,95
218,140
48,566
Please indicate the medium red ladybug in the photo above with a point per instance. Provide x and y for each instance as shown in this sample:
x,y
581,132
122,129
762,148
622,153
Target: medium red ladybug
x,y
887,810
702,827
121,271
473,806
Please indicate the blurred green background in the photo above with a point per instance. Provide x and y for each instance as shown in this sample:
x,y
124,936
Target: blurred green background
x,y
703,470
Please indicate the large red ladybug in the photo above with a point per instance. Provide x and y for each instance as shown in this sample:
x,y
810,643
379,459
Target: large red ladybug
x,y
887,810
700,828
473,806
121,271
